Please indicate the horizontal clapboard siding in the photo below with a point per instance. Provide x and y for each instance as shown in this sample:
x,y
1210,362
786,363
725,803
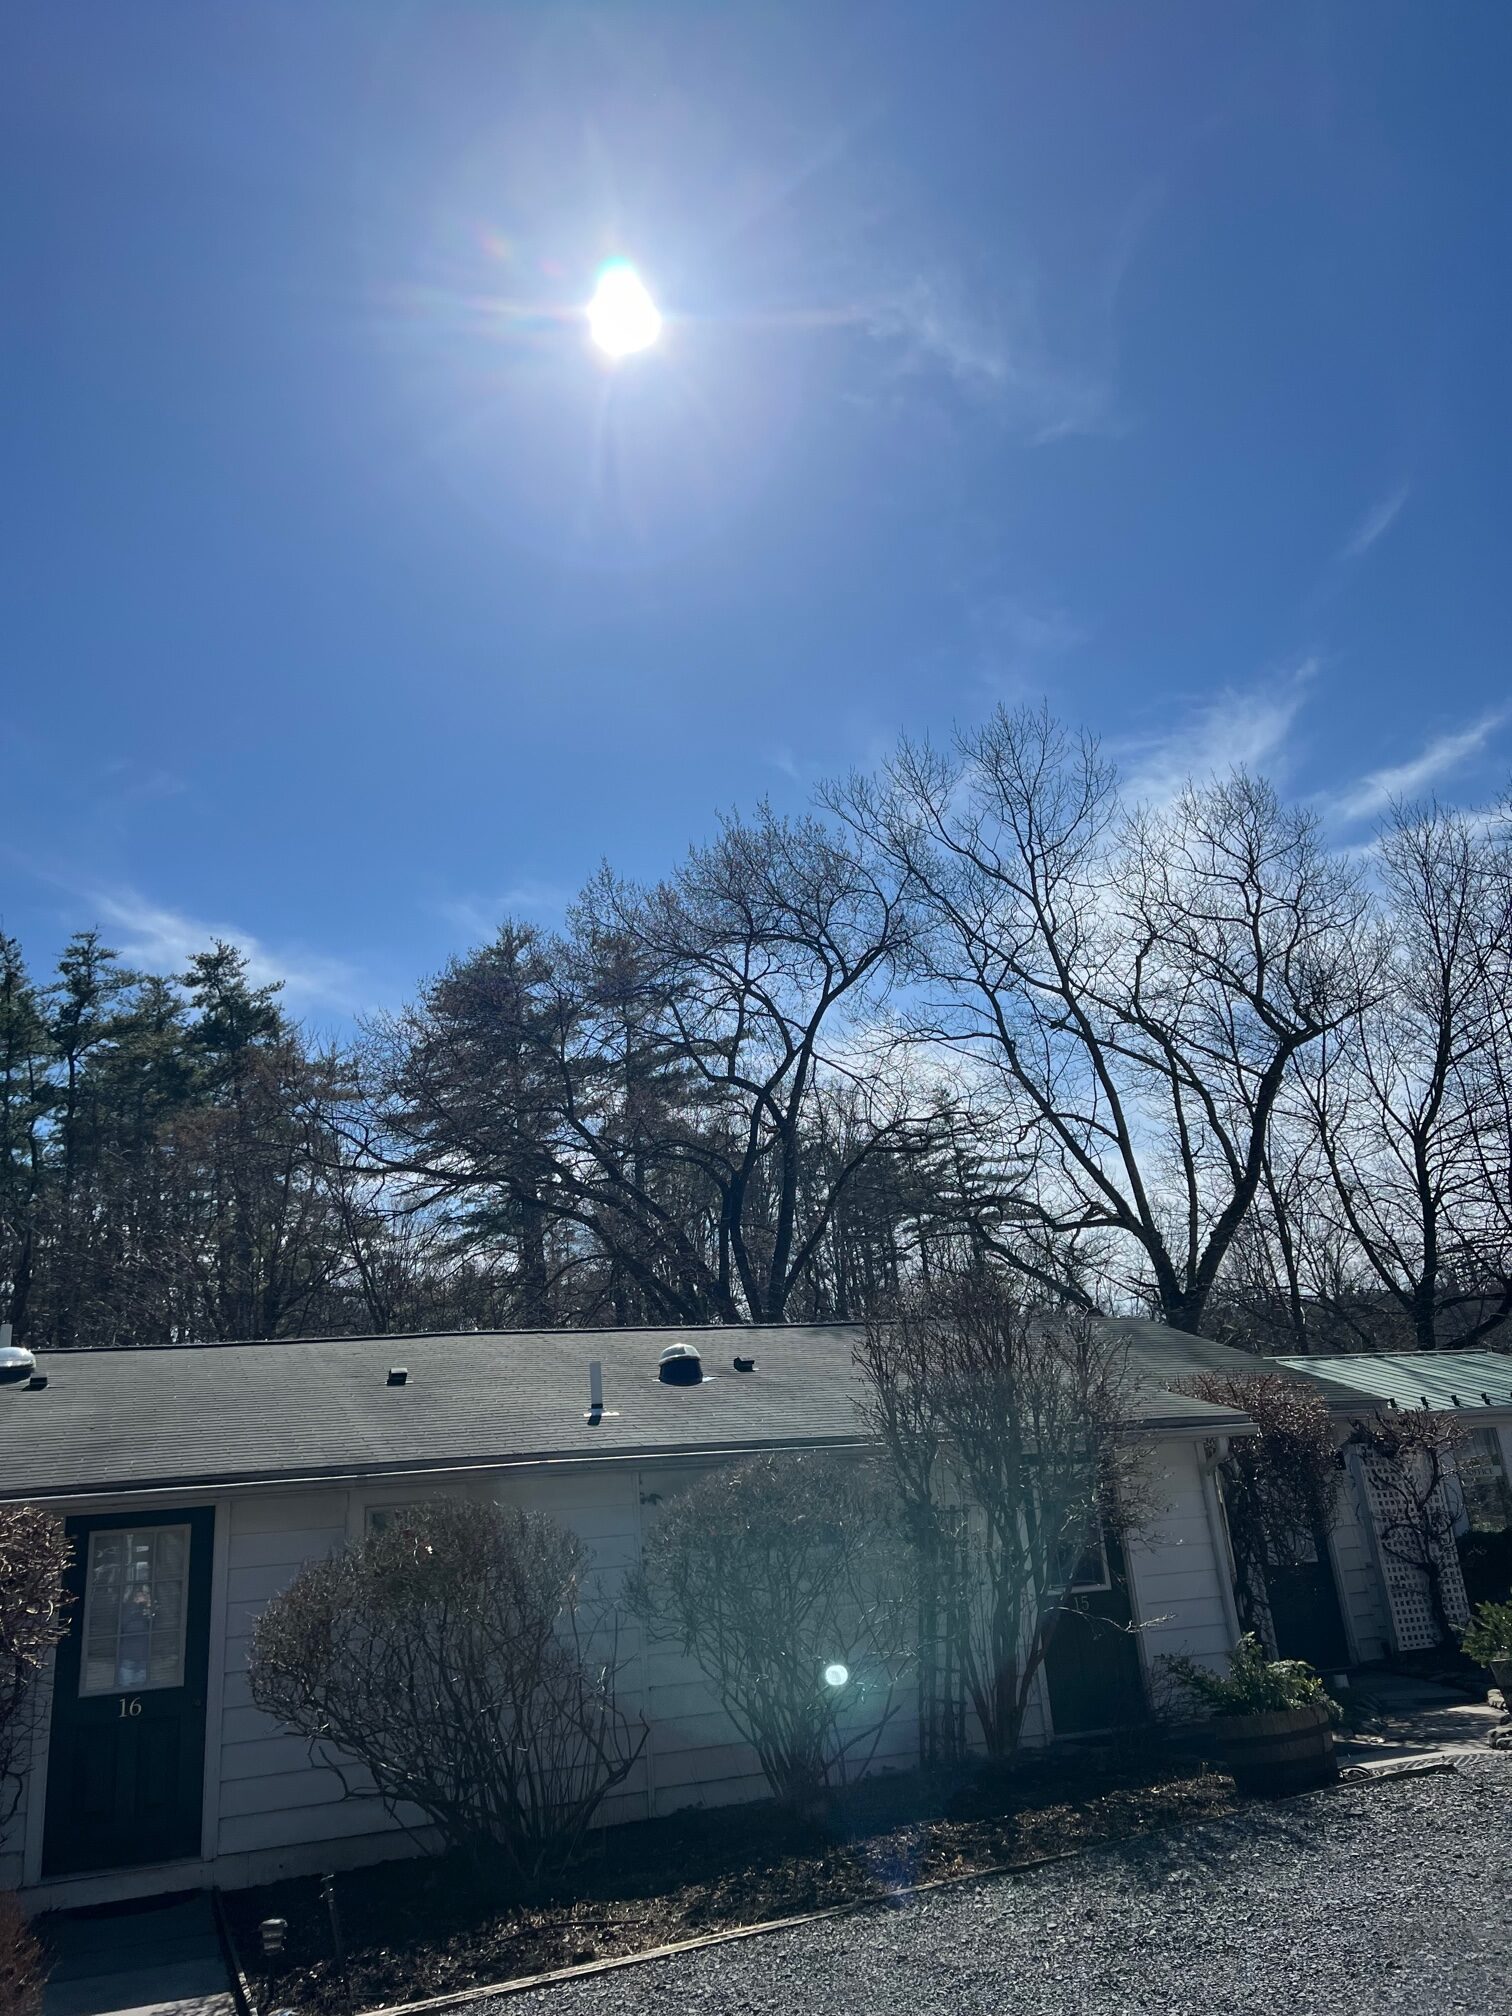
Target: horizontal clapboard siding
x,y
278,1810
268,1783
1174,1569
700,1757
273,1795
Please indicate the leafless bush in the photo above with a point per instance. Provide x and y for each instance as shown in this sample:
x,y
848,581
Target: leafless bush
x,y
1280,1487
785,1577
449,1658
33,1556
1004,1427
21,1970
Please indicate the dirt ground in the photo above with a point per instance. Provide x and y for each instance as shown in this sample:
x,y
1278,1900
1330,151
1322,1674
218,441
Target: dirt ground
x,y
423,1927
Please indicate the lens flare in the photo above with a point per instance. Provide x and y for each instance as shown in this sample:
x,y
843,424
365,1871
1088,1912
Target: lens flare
x,y
622,317
836,1675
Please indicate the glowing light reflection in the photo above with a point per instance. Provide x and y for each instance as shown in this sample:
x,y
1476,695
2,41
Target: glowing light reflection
x,y
622,317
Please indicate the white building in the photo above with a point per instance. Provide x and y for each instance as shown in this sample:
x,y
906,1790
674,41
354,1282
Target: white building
x,y
1365,1598
206,1475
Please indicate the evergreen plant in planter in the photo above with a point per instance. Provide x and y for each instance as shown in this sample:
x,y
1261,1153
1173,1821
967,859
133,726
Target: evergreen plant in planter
x,y
1488,1640
1273,1717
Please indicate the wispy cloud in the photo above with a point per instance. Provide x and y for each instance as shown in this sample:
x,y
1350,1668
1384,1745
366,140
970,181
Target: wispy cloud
x,y
1240,730
163,940
1016,644
1376,523
1438,759
479,915
992,355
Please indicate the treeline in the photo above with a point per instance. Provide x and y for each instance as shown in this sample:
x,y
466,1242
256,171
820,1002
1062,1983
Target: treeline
x,y
978,1010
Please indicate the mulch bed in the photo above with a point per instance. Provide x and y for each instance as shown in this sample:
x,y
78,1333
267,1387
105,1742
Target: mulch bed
x,y
436,1924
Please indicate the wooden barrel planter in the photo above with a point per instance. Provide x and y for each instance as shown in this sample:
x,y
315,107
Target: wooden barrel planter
x,y
1285,1751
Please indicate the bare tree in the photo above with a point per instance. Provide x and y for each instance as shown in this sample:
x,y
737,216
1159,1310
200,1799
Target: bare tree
x,y
1411,1100
1410,1461
1280,1486
1137,985
785,1577
34,1554
1006,1428
444,1663
650,1085
763,963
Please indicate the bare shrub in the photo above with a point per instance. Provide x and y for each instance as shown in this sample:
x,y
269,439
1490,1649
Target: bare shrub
x,y
21,1970
449,1657
33,1556
1004,1425
787,1579
1280,1486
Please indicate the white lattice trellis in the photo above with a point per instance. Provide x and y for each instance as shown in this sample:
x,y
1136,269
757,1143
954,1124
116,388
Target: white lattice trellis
x,y
1391,1502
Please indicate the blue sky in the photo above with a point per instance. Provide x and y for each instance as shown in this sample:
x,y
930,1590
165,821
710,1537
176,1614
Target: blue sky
x,y
1154,359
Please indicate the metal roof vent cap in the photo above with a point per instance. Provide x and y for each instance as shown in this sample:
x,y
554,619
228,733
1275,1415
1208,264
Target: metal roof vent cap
x,y
680,1365
16,1363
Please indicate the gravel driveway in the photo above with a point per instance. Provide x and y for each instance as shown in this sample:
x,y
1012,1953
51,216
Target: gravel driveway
x,y
1396,1896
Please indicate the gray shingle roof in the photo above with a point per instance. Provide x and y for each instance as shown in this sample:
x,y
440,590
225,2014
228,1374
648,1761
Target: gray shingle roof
x,y
203,1415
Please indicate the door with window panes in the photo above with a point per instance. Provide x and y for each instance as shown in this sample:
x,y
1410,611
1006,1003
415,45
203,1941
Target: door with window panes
x,y
126,1757
1092,1668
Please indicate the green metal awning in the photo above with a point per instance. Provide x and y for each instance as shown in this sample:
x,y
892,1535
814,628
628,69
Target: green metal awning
x,y
1439,1380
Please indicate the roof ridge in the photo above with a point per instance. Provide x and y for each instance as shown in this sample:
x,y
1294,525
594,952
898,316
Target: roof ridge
x,y
425,1336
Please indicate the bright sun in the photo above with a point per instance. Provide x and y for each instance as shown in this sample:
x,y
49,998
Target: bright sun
x,y
622,317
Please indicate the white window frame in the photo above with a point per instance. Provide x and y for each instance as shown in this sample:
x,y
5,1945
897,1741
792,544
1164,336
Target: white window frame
x,y
146,1685
1099,1545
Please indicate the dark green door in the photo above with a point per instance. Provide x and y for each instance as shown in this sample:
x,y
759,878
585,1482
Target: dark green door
x,y
1304,1607
1092,1666
126,1760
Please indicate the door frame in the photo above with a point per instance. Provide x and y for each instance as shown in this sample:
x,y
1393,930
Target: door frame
x,y
138,1879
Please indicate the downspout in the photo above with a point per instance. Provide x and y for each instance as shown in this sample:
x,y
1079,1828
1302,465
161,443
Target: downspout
x,y
1218,1533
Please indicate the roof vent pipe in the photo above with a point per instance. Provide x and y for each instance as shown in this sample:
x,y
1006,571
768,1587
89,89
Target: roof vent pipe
x,y
680,1365
595,1387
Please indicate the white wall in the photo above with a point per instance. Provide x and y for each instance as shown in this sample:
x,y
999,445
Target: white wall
x,y
1177,1577
271,1811
1358,1576
271,1796
696,1755
279,1812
